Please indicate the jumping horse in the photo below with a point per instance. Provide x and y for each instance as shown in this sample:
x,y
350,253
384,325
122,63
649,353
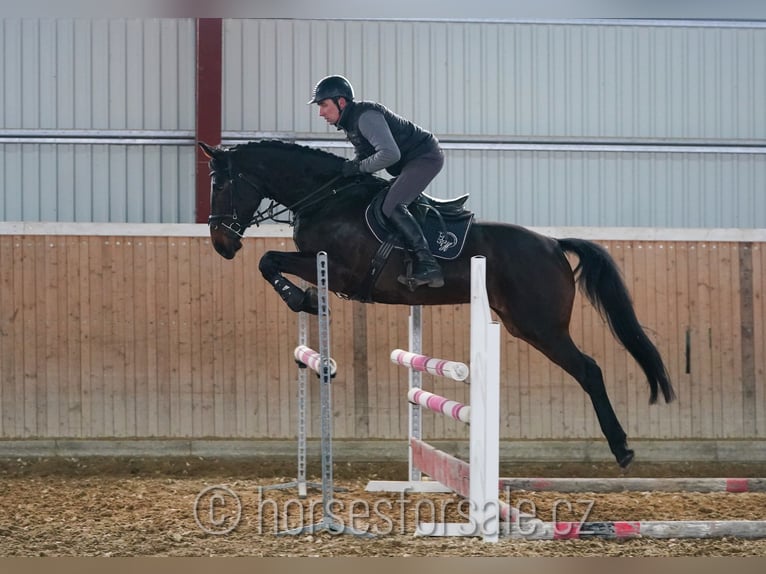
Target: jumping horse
x,y
530,282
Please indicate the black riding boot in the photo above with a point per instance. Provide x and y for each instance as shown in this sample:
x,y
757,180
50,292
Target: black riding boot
x,y
426,270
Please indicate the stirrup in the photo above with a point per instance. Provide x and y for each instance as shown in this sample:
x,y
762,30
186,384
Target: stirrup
x,y
413,282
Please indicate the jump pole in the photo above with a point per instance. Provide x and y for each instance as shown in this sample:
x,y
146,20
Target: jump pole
x,y
325,368
530,528
607,485
535,529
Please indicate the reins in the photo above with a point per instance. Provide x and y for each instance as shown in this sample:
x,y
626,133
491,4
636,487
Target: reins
x,y
302,204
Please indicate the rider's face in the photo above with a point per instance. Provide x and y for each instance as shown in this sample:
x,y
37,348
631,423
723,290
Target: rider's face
x,y
329,111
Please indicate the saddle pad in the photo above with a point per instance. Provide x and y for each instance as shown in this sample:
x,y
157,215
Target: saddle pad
x,y
445,236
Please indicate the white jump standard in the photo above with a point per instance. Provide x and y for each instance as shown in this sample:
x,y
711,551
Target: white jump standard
x,y
477,480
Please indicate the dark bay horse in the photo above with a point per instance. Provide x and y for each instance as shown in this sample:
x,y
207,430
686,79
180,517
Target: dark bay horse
x,y
530,283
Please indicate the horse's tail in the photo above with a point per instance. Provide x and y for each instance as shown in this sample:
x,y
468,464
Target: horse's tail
x,y
599,277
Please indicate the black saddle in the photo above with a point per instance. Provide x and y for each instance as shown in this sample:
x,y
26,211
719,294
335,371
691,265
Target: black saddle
x,y
445,223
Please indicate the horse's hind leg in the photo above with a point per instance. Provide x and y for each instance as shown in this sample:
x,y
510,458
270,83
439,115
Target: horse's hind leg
x,y
274,263
560,349
593,383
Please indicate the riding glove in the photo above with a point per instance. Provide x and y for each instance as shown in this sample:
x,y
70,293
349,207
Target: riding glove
x,y
350,167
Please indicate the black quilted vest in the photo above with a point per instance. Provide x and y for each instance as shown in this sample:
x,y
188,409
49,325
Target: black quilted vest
x,y
412,140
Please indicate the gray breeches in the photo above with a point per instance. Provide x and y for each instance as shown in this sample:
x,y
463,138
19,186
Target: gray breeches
x,y
415,177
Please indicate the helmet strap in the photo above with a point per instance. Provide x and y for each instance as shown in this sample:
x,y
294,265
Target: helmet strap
x,y
337,105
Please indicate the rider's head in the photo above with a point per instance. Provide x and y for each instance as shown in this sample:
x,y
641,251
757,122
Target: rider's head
x,y
332,94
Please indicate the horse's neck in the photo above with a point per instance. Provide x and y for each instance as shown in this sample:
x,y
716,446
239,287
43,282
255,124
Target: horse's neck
x,y
293,173
291,190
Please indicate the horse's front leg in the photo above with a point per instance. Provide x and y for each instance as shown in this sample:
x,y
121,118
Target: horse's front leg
x,y
274,263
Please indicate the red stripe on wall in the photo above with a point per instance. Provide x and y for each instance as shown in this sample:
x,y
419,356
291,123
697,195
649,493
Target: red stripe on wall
x,y
209,86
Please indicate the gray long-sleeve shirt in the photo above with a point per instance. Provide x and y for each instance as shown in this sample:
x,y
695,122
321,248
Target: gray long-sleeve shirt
x,y
374,128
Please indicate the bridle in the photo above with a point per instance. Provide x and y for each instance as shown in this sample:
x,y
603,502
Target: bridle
x,y
231,222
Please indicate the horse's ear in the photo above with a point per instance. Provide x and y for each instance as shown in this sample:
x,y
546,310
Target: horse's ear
x,y
210,152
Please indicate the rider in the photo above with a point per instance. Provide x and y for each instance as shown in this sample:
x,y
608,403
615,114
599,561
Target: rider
x,y
384,140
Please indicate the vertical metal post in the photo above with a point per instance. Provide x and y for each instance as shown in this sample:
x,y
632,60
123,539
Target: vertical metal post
x,y
325,400
300,481
325,395
415,382
302,379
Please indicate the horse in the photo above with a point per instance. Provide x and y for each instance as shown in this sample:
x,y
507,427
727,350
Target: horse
x,y
530,283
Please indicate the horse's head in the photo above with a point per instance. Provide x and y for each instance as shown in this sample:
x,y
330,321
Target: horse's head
x,y
299,178
231,210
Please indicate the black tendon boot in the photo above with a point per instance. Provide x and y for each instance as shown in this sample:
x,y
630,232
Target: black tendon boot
x,y
426,270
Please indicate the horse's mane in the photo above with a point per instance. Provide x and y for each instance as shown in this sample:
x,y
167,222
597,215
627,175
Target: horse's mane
x,y
288,146
369,184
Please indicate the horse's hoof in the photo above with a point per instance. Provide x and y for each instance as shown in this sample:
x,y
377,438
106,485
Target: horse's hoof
x,y
626,459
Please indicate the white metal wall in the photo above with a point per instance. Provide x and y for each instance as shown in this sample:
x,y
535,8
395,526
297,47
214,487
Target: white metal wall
x,y
513,80
592,124
613,189
97,182
97,120
550,124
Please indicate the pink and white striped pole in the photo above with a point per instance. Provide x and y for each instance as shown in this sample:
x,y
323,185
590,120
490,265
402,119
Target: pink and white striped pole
x,y
312,359
443,368
438,404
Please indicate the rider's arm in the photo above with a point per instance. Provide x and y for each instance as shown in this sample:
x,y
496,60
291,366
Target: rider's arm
x,y
374,128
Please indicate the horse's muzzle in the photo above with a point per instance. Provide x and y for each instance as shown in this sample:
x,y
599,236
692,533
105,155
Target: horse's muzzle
x,y
226,244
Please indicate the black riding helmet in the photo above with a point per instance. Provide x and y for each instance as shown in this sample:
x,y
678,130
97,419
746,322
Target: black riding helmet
x,y
332,87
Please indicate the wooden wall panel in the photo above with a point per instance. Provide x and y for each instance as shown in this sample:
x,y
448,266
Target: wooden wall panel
x,y
153,336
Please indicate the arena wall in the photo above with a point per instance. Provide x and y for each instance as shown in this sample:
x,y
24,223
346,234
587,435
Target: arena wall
x,y
133,333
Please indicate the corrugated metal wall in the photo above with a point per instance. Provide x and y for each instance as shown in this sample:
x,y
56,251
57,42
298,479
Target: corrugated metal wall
x,y
581,123
514,80
623,124
97,120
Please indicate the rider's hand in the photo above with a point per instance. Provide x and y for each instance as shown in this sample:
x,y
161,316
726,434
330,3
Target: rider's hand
x,y
350,167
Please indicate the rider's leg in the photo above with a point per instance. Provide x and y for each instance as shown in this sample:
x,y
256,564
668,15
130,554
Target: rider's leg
x,y
414,178
426,270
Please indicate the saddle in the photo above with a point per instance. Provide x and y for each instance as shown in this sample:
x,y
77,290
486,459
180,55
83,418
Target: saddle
x,y
445,223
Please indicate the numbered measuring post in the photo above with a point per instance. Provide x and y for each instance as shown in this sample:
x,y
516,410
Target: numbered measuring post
x,y
326,370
